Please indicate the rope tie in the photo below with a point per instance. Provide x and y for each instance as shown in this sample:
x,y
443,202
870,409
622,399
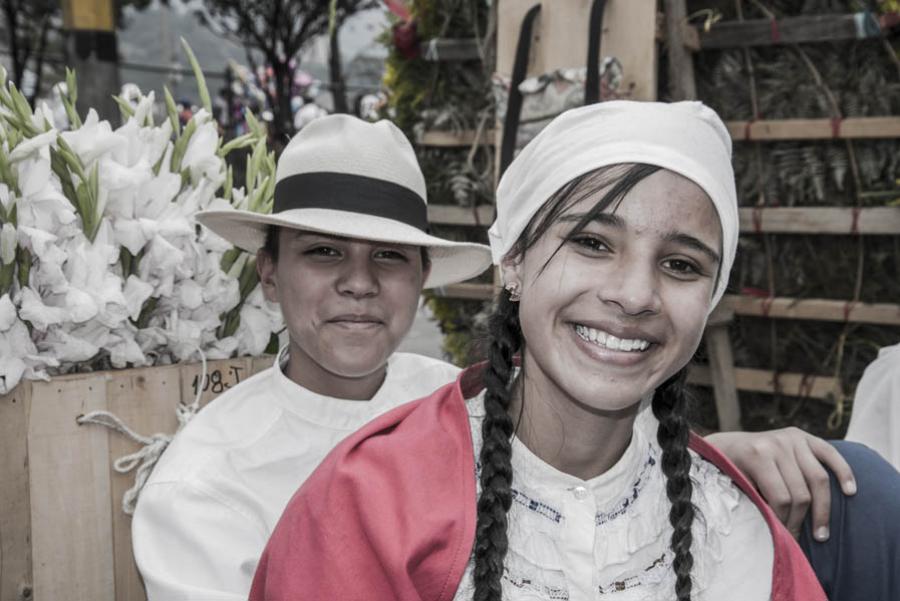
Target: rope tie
x,y
775,32
145,458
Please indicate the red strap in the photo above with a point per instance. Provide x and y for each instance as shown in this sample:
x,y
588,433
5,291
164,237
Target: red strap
x,y
776,35
757,220
747,125
836,127
848,307
854,226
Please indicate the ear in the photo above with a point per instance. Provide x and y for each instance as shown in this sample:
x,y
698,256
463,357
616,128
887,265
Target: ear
x,y
511,271
266,270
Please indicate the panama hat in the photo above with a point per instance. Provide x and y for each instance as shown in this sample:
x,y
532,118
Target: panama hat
x,y
347,177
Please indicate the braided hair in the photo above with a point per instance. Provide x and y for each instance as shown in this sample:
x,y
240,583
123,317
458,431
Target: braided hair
x,y
669,404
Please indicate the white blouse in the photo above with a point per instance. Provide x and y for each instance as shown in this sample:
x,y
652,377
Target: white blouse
x,y
607,538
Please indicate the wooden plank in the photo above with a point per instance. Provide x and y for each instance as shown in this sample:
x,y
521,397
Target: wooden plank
x,y
820,220
454,215
448,49
761,380
794,30
770,220
681,62
724,380
69,483
814,309
145,400
258,364
561,31
814,129
450,139
15,512
220,376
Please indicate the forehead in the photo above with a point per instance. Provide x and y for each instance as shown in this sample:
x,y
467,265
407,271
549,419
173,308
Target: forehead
x,y
663,201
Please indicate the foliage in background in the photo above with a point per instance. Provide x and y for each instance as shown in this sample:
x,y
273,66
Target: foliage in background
x,y
101,261
822,80
426,95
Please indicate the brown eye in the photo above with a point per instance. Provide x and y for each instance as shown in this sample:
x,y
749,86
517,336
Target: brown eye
x,y
590,243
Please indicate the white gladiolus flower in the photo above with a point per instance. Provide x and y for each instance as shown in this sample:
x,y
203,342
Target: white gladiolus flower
x,y
41,316
93,139
148,261
7,313
38,145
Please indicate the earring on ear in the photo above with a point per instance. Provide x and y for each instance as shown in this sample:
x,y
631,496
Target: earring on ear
x,y
513,290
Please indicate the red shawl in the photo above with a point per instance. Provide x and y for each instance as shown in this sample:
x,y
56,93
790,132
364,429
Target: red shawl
x,y
390,513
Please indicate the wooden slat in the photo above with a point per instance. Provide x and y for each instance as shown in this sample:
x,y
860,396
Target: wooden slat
x,y
447,49
681,66
761,380
814,309
794,30
814,129
72,543
723,377
221,375
453,215
821,220
145,400
258,364
450,139
769,220
15,513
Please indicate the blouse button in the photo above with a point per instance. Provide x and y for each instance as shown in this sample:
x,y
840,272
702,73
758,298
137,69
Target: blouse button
x,y
580,493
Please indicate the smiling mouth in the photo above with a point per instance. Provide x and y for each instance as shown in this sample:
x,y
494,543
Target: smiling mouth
x,y
608,341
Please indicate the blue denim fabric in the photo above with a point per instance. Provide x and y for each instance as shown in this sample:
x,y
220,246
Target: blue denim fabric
x,y
861,559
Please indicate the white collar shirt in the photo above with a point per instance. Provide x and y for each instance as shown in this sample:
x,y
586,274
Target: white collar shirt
x,y
208,509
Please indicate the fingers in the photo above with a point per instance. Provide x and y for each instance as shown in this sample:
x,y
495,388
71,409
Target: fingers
x,y
772,486
820,488
830,456
800,496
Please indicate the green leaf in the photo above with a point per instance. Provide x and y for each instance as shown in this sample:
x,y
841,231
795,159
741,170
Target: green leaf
x,y
172,110
228,186
198,74
24,262
70,100
240,142
7,276
124,108
254,125
181,146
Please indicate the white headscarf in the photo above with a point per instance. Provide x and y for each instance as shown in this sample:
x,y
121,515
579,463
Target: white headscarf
x,y
687,138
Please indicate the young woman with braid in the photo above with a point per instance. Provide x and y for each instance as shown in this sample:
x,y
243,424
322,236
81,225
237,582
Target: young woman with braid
x,y
532,477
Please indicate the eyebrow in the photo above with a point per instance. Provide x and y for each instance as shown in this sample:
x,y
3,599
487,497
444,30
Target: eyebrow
x,y
681,238
692,242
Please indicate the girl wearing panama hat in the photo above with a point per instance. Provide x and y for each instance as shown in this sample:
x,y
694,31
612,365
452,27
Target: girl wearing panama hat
x,y
535,478
345,253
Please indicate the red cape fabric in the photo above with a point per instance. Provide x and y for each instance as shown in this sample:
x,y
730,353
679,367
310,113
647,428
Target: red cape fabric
x,y
390,513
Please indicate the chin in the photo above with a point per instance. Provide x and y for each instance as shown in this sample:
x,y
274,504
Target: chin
x,y
356,366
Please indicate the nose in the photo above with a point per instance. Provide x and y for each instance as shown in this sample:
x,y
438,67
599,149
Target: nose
x,y
633,286
357,277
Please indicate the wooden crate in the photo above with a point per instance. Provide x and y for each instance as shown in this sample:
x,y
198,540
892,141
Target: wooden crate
x,y
63,534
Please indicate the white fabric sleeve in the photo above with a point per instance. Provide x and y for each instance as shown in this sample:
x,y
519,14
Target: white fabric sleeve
x,y
875,421
190,544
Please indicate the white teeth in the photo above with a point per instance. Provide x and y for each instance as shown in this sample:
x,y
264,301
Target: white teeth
x,y
601,338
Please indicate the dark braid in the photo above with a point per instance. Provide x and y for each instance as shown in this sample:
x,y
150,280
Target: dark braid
x,y
491,542
669,406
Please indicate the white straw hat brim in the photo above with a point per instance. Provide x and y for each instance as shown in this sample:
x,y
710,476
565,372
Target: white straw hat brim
x,y
451,262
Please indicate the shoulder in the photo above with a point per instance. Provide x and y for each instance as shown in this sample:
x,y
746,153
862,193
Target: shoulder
x,y
236,418
419,375
401,489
